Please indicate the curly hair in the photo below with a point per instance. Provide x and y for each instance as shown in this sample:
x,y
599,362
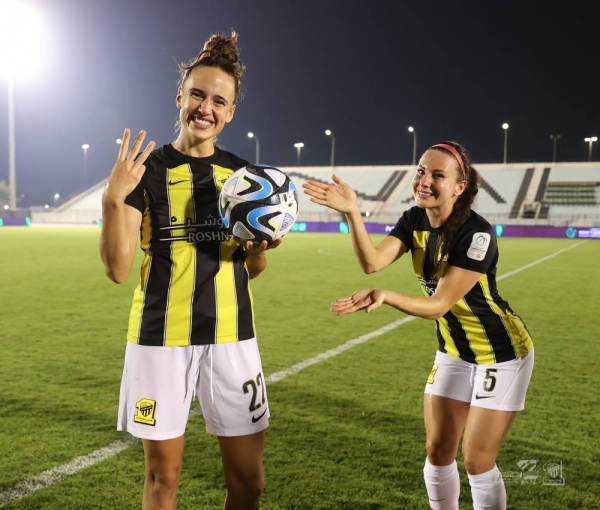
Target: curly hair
x,y
221,52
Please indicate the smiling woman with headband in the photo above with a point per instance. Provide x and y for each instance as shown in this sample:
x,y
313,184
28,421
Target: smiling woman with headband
x,y
485,355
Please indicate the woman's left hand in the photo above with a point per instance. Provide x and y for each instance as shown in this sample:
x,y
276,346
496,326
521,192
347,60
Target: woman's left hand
x,y
365,299
252,250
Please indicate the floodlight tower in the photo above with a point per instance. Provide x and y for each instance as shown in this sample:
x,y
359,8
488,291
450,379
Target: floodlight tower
x,y
414,132
252,135
328,132
554,139
298,146
590,140
20,48
505,127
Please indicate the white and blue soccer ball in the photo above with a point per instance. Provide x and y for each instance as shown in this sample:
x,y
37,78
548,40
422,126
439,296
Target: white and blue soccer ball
x,y
258,203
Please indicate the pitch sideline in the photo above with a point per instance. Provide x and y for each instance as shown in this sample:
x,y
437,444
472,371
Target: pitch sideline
x,y
59,473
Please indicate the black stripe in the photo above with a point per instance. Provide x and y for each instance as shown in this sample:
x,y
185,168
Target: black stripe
x,y
492,324
155,298
204,310
441,341
460,338
430,255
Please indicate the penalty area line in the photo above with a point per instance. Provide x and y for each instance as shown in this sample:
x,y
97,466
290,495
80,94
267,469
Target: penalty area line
x,y
59,473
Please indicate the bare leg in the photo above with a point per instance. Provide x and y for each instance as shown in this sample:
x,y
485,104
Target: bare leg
x,y
244,471
445,420
484,433
163,467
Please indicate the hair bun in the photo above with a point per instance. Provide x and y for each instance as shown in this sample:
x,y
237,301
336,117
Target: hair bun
x,y
220,52
219,49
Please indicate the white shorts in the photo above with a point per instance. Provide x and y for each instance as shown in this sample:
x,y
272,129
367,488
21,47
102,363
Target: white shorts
x,y
500,386
160,383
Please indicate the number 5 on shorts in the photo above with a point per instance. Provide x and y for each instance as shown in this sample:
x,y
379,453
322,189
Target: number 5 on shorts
x,y
489,382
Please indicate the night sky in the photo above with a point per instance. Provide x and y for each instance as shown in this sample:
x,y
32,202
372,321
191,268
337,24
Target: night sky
x,y
364,69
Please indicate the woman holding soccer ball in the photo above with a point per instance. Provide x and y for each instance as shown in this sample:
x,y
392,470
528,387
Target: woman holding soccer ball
x,y
191,326
485,356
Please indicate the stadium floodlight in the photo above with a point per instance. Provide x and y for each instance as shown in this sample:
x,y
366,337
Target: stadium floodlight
x,y
257,148
414,132
328,132
20,52
505,127
590,140
85,148
298,146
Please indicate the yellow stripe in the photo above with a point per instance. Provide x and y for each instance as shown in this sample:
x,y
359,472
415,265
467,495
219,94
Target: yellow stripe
x,y
519,336
227,306
137,307
448,342
183,254
526,343
474,331
418,256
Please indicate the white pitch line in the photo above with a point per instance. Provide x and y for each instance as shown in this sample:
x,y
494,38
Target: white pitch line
x,y
59,473
543,259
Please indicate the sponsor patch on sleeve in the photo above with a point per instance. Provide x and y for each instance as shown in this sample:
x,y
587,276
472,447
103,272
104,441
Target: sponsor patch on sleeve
x,y
479,246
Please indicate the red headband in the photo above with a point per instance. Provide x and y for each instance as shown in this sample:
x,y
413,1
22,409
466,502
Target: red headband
x,y
455,154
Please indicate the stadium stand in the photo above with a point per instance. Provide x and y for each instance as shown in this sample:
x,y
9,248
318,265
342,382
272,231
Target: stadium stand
x,y
516,193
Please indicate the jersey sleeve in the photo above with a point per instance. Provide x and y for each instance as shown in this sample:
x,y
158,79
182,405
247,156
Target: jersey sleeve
x,y
475,249
136,197
403,229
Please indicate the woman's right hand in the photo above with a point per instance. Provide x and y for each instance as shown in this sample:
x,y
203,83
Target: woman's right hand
x,y
339,196
128,170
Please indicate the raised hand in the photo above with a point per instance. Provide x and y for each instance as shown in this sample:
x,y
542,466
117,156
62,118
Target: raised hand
x,y
339,196
365,299
128,169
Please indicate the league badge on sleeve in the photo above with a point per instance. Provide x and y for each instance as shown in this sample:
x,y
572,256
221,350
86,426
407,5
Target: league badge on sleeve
x,y
479,246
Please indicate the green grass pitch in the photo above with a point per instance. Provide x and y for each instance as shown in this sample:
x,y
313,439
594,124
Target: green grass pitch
x,y
346,432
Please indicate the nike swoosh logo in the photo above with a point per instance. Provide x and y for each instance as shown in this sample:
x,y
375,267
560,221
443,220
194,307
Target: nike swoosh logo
x,y
255,419
483,396
443,499
171,183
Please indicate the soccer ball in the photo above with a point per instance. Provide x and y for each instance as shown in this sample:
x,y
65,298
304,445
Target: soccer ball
x,y
258,203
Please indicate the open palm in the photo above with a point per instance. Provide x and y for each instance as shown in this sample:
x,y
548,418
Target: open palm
x,y
339,196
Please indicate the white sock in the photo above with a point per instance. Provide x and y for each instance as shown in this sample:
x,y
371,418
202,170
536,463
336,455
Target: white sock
x,y
443,485
488,490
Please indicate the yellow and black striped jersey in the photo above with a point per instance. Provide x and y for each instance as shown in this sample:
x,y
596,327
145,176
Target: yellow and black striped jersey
x,y
481,328
193,286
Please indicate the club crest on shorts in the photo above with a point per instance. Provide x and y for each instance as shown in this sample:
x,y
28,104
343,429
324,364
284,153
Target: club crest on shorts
x,y
145,411
431,377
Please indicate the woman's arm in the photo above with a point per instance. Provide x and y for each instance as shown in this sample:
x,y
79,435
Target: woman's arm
x,y
342,198
121,222
118,238
450,290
